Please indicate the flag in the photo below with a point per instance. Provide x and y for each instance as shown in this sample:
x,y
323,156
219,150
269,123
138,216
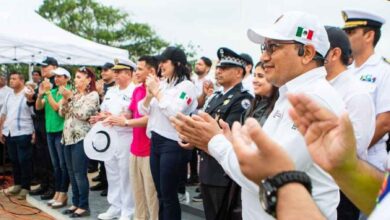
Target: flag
x,y
185,97
305,33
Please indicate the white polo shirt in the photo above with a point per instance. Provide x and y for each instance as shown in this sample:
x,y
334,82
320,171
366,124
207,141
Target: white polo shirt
x,y
222,150
375,74
117,101
280,127
199,83
175,98
18,120
360,108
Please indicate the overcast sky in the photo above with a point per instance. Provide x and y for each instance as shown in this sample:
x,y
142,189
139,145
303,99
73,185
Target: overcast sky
x,y
215,23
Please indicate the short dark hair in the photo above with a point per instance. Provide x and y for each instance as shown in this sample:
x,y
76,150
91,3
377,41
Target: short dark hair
x,y
377,33
207,61
36,71
318,58
151,61
21,76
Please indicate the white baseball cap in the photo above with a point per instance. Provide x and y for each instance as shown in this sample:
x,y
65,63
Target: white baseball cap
x,y
61,72
297,26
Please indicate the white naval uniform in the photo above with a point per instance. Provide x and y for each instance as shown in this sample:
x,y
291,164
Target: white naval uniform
x,y
360,107
375,74
280,127
120,195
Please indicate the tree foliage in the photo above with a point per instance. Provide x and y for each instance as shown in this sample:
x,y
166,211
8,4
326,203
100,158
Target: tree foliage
x,y
102,24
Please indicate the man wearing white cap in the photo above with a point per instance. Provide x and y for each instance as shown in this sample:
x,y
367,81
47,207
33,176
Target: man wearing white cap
x,y
115,106
363,29
293,49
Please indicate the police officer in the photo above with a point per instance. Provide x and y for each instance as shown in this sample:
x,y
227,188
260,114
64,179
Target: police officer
x,y
364,31
228,104
113,110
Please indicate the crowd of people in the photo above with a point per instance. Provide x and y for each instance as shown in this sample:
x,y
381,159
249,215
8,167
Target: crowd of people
x,y
302,137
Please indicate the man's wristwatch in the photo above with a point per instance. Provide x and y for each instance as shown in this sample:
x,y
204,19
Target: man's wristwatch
x,y
126,123
269,188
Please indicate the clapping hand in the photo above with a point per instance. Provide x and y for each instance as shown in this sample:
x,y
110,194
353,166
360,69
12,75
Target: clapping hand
x,y
153,84
258,155
66,93
329,139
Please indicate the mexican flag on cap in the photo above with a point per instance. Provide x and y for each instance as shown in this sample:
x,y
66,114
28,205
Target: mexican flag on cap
x,y
304,33
185,97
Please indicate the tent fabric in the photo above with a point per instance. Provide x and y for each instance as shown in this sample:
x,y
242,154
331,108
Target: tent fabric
x,y
26,37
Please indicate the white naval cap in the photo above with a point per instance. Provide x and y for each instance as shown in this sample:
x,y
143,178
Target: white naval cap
x,y
121,64
358,18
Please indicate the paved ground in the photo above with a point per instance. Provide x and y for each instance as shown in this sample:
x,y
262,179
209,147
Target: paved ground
x,y
36,209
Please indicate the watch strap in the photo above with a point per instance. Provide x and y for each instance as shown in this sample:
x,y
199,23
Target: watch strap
x,y
291,177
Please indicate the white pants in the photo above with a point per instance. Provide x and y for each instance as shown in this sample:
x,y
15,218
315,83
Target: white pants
x,y
120,194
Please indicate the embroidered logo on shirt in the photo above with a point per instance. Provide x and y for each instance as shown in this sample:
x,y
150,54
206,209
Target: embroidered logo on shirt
x,y
368,78
277,114
185,97
294,127
245,103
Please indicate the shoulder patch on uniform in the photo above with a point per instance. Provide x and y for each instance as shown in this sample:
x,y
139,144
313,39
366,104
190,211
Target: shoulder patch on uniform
x,y
245,103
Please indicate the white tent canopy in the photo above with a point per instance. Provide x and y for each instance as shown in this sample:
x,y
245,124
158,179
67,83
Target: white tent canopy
x,y
26,37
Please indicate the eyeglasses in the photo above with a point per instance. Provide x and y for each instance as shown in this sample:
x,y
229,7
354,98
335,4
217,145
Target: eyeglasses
x,y
272,46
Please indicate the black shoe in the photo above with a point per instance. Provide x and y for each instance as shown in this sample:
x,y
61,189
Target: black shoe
x,y
98,187
92,169
104,192
68,211
49,194
97,178
197,189
193,180
83,214
197,198
34,182
37,191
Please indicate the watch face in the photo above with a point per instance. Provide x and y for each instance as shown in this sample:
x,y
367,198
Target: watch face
x,y
263,197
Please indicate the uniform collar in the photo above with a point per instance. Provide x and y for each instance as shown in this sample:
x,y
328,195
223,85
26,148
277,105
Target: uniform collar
x,y
373,60
303,80
234,88
341,77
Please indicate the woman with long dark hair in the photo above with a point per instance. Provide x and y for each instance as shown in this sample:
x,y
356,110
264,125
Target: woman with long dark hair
x,y
164,99
266,95
77,107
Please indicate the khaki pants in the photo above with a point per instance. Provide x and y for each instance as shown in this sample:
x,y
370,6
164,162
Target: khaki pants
x,y
145,194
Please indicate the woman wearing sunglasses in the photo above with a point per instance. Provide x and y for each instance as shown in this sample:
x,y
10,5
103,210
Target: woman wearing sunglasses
x,y
77,107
